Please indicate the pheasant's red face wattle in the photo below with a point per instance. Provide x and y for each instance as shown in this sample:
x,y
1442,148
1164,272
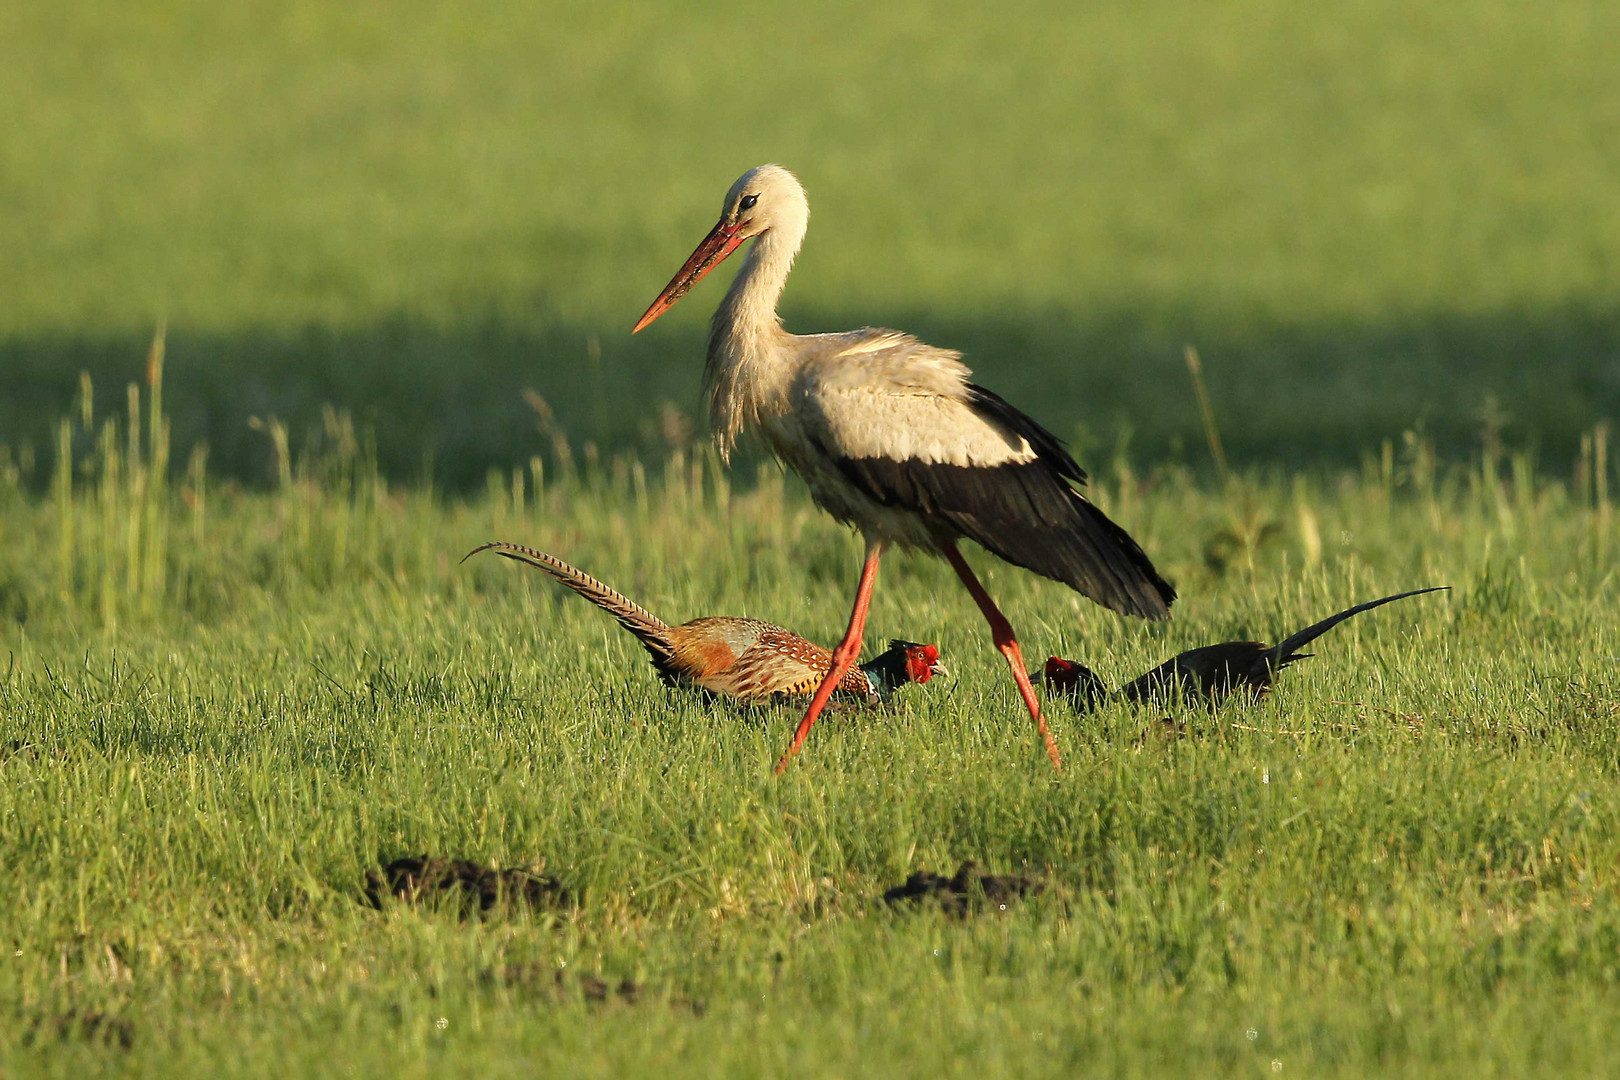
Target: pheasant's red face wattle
x,y
1061,673
921,661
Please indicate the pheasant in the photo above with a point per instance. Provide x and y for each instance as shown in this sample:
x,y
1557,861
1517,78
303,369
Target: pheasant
x,y
1210,674
734,657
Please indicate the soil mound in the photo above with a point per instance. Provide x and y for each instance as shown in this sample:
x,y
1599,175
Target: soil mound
x,y
417,879
544,979
970,889
96,1028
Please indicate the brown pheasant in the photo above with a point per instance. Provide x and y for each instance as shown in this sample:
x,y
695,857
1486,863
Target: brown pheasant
x,y
734,657
1209,674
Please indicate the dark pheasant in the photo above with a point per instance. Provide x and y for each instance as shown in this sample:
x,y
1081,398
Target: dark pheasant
x,y
1210,674
735,657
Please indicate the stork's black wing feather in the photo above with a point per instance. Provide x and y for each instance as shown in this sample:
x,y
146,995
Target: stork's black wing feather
x,y
1026,511
1048,446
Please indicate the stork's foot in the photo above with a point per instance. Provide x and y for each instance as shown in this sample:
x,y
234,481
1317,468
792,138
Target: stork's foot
x,y
1015,659
1006,643
843,657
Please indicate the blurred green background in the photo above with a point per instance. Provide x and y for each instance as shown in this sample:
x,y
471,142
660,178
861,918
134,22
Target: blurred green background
x,y
1367,215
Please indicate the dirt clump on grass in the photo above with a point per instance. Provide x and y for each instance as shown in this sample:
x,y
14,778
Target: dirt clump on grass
x,y
597,989
563,984
1168,728
427,879
23,750
539,979
969,890
96,1028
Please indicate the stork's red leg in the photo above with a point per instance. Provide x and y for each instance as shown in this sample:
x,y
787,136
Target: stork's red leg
x,y
1001,630
848,651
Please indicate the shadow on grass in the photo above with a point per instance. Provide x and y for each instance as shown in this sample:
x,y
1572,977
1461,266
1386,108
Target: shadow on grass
x,y
1306,395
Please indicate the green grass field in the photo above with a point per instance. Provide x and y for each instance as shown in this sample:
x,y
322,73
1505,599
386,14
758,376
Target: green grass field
x,y
242,667
223,709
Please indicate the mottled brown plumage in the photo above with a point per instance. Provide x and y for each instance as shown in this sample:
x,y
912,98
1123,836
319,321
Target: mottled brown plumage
x,y
747,659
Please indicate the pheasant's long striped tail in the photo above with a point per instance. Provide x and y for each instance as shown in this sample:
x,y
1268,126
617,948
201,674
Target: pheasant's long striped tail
x,y
648,628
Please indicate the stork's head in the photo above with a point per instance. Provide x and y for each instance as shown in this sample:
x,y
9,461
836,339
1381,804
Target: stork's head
x,y
763,198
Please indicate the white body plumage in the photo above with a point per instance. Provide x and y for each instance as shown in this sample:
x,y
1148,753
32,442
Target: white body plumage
x,y
890,434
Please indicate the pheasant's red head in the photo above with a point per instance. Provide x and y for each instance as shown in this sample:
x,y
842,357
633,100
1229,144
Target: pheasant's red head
x,y
1062,674
922,663
1074,680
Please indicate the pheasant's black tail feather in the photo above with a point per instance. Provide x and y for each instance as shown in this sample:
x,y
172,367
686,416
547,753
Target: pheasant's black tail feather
x,y
1287,651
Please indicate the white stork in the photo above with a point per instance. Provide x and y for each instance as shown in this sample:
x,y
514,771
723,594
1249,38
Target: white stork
x,y
893,438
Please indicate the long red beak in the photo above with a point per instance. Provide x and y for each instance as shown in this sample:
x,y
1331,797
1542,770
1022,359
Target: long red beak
x,y
721,241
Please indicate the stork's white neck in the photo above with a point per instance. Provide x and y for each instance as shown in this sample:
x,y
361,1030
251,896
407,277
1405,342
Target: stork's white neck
x,y
747,361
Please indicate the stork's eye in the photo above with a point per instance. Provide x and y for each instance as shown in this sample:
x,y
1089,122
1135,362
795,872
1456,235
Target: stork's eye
x,y
748,202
